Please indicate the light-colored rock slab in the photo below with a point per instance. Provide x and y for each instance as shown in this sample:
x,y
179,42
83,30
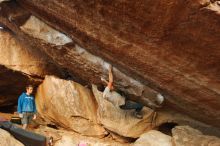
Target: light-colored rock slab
x,y
187,136
6,139
38,29
153,138
69,138
17,56
69,105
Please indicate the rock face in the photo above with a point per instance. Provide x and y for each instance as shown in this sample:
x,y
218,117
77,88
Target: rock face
x,y
187,136
68,138
69,105
78,56
122,122
19,57
181,136
38,29
7,139
154,47
172,117
72,106
20,66
153,138
166,48
80,60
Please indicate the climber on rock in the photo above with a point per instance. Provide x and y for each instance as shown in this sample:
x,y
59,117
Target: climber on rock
x,y
27,107
118,100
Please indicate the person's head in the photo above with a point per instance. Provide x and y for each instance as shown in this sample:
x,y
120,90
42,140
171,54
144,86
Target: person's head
x,y
29,89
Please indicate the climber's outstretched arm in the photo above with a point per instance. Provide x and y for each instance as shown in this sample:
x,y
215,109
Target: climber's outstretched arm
x,y
110,76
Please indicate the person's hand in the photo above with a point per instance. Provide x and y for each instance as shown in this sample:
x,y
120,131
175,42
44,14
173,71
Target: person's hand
x,y
110,67
35,116
20,115
104,80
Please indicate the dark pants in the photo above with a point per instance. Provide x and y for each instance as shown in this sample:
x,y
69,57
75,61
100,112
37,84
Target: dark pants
x,y
132,105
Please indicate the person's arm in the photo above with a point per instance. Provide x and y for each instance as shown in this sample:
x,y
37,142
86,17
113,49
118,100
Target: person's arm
x,y
34,105
20,102
35,110
110,76
109,84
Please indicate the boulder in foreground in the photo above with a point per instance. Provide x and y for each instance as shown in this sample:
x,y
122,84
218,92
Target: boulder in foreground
x,y
6,139
187,136
153,138
69,105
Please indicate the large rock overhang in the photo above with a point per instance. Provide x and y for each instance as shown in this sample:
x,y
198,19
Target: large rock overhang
x,y
162,44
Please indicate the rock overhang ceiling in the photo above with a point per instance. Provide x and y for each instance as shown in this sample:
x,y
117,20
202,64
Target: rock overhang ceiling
x,y
171,46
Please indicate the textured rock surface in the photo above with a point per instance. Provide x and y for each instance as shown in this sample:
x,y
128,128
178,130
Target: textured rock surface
x,y
170,46
7,139
122,122
75,108
20,66
67,138
154,50
19,57
80,60
153,138
163,44
69,105
187,136
38,29
165,48
168,116
85,61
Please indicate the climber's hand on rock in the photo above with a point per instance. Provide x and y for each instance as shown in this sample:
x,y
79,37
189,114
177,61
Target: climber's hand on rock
x,y
35,116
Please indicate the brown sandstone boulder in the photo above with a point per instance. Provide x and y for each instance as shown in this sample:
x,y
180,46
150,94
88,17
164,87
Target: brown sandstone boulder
x,y
171,45
7,139
38,29
69,138
173,48
69,105
17,56
187,136
79,60
66,140
153,138
20,65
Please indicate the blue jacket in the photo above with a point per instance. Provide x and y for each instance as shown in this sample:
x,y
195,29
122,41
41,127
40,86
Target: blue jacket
x,y
26,103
